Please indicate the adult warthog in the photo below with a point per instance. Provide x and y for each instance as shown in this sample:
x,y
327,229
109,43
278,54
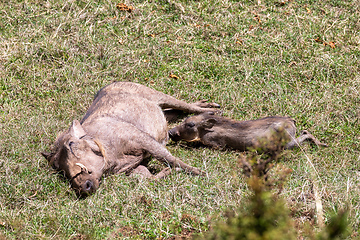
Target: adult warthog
x,y
124,125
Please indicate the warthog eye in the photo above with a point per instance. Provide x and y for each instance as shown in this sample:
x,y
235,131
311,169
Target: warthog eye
x,y
71,145
190,125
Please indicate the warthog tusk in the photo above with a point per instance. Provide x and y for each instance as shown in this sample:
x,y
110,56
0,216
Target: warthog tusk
x,y
83,168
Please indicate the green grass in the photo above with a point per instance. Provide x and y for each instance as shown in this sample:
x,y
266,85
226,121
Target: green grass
x,y
55,55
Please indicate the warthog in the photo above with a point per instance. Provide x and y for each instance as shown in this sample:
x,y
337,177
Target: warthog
x,y
220,132
124,125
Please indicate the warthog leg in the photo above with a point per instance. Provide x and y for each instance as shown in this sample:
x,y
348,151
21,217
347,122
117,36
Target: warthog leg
x,y
141,170
144,142
160,152
304,135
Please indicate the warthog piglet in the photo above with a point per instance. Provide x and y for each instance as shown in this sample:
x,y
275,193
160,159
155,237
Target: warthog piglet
x,y
220,132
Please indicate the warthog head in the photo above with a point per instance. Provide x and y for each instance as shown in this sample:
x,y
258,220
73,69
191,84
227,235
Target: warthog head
x,y
190,129
80,157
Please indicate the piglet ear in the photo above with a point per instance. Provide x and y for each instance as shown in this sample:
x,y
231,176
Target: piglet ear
x,y
76,130
208,123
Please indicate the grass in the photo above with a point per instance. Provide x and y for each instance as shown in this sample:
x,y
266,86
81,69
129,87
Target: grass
x,y
254,59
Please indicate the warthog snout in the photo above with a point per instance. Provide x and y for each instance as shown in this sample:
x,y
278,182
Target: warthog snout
x,y
174,134
88,187
85,186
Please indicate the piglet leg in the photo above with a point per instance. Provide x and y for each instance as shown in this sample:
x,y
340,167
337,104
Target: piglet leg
x,y
304,135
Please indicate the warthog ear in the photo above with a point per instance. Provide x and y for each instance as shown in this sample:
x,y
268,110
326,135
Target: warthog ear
x,y
46,155
208,123
76,130
51,159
